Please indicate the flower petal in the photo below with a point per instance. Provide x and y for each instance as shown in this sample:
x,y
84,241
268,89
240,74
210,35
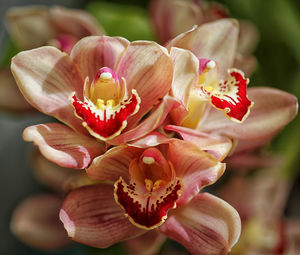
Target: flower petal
x,y
91,216
216,145
206,225
248,37
272,110
29,27
196,168
147,244
46,77
35,221
153,121
10,96
186,67
93,52
114,163
48,173
153,139
215,40
171,17
61,145
147,68
74,22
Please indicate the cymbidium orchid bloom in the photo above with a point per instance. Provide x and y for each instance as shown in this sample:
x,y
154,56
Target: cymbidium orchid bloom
x,y
260,201
35,26
214,88
172,17
152,191
35,220
106,90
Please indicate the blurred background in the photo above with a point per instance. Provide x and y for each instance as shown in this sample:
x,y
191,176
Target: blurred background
x,y
278,55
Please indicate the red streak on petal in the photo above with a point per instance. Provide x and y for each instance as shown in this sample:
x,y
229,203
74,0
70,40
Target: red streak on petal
x,y
240,108
147,217
108,126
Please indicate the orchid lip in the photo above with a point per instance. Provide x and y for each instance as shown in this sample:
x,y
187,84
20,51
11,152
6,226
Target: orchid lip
x,y
152,191
106,108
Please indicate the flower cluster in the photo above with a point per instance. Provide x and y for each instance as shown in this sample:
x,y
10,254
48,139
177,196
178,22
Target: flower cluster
x,y
150,125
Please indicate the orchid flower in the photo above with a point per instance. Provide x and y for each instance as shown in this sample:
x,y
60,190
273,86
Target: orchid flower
x,y
172,17
152,191
260,201
35,220
216,87
35,26
106,90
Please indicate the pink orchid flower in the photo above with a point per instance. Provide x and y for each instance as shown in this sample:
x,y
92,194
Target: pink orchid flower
x,y
172,17
260,202
35,220
34,26
213,87
152,191
106,90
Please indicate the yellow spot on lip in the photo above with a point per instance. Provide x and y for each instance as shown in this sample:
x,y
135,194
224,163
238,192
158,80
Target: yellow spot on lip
x,y
148,184
148,160
106,76
209,88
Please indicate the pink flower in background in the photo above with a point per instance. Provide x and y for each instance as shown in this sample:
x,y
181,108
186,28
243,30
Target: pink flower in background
x,y
172,17
260,201
102,92
35,26
153,191
213,80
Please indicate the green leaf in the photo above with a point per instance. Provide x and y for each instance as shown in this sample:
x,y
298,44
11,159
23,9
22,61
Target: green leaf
x,y
128,21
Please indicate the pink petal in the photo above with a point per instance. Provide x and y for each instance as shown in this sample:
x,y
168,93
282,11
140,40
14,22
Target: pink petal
x,y
93,52
29,27
186,67
153,139
10,96
91,216
216,41
216,145
50,174
46,77
74,22
60,179
171,17
147,244
272,110
196,168
153,121
146,67
248,37
114,163
61,145
245,63
206,225
35,221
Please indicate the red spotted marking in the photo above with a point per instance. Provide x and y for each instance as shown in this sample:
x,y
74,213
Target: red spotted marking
x,y
149,216
236,108
110,124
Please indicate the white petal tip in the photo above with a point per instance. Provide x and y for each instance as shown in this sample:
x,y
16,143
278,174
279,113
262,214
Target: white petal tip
x,y
68,223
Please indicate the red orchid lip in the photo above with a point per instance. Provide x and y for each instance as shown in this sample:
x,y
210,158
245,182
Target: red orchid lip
x,y
106,108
